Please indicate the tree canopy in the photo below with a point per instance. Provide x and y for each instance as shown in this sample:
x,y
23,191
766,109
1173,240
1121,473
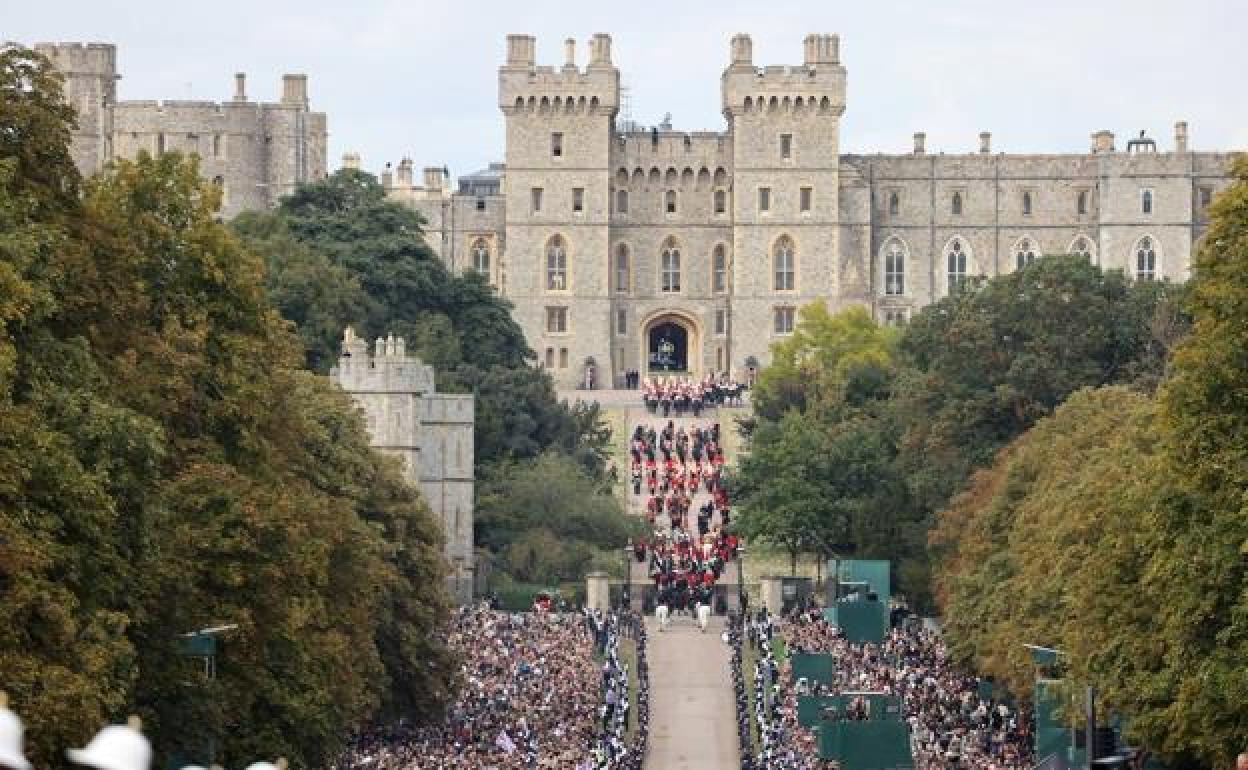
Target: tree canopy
x,y
166,467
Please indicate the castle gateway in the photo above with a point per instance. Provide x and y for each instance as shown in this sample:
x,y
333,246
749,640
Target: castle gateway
x,y
664,251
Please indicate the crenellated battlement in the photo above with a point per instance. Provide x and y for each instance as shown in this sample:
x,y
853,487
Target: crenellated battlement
x,y
389,369
816,87
527,88
81,58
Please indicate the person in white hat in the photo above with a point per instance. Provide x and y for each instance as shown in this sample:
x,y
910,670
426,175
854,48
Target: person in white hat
x,y
116,747
11,738
280,764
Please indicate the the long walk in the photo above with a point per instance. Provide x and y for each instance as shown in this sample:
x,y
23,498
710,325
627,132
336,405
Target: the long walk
x,y
692,717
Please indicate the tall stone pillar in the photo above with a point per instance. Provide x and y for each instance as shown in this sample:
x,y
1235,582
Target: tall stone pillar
x,y
597,591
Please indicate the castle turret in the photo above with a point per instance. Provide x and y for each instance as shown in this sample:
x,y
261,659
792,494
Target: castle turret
x,y
91,77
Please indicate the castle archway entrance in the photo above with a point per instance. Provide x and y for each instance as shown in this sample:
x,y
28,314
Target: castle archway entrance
x,y
671,345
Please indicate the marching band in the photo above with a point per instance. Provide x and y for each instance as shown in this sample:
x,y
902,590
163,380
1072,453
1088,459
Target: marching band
x,y
685,395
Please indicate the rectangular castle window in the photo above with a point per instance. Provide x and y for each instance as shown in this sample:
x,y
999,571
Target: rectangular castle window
x,y
556,144
218,145
160,143
807,194
550,358
621,322
721,201
480,204
721,321
563,358
1146,201
784,320
1206,197
786,146
578,199
556,320
536,196
764,199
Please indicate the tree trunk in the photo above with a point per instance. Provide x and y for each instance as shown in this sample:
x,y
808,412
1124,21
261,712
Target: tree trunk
x,y
793,562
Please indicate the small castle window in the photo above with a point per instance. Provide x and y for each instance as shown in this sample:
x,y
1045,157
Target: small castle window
x,y
1145,260
1025,254
786,146
481,256
894,270
563,358
670,267
550,358
536,198
623,275
556,144
1026,204
721,321
480,204
621,322
956,205
721,201
621,201
956,259
785,265
160,144
1081,203
1206,197
719,269
669,199
216,145
556,320
578,199
804,199
1082,248
764,199
783,320
556,265
1146,201
894,204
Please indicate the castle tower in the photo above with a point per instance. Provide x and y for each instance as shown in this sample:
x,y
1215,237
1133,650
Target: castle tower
x,y
560,123
91,77
785,129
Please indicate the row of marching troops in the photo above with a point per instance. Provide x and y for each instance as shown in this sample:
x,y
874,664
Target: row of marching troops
x,y
687,395
695,456
115,747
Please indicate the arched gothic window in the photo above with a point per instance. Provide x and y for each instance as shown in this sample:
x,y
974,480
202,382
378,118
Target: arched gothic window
x,y
894,204
621,201
894,269
956,259
956,205
481,256
785,264
670,267
719,269
1026,204
556,264
1025,254
623,275
1145,259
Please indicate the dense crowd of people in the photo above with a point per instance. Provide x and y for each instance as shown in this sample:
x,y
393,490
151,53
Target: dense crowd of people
x,y
951,725
532,695
680,396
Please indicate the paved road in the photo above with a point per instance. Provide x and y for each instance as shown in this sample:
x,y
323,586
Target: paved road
x,y
692,717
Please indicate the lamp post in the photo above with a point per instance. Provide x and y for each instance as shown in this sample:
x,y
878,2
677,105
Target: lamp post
x,y
203,644
626,589
741,581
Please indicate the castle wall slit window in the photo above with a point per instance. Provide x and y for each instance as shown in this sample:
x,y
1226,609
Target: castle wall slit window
x,y
956,265
669,277
783,318
1206,197
550,358
1081,203
805,196
1025,254
216,145
535,199
764,199
578,199
785,265
621,201
481,256
669,201
894,270
721,201
556,320
719,269
786,146
623,271
1145,259
955,206
556,144
621,322
556,265
160,143
563,358
894,204
1146,201
1026,204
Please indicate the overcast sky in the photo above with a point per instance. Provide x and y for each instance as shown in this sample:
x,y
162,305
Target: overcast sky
x,y
419,79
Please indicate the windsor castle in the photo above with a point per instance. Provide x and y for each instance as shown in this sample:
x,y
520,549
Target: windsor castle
x,y
626,248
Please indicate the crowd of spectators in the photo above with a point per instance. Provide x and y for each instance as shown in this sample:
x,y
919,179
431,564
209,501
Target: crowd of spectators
x,y
951,724
537,690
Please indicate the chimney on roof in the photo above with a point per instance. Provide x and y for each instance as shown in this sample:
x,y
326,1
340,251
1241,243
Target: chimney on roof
x,y
920,142
1180,137
985,142
240,86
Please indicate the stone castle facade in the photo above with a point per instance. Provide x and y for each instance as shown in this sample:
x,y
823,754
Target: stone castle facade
x,y
617,243
256,151
431,432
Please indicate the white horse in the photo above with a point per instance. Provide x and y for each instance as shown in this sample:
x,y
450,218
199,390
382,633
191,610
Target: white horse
x,y
704,616
661,615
